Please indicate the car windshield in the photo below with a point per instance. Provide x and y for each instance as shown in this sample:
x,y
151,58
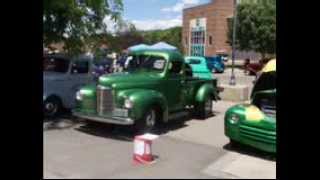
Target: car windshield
x,y
145,63
194,61
52,64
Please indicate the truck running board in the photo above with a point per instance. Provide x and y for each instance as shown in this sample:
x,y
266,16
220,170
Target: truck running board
x,y
178,115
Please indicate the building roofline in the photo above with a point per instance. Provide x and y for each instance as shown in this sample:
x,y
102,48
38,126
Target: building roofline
x,y
199,6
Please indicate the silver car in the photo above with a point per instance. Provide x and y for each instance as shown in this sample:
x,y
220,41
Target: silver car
x,y
62,78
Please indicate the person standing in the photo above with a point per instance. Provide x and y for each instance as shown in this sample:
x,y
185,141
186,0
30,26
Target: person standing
x,y
245,66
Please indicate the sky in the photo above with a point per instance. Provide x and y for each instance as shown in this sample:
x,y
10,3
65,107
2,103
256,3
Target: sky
x,y
156,14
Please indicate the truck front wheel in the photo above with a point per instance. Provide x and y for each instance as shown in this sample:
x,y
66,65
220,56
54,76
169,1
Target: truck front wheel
x,y
204,109
148,123
52,107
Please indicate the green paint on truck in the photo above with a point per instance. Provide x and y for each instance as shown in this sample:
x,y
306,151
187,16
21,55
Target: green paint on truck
x,y
156,85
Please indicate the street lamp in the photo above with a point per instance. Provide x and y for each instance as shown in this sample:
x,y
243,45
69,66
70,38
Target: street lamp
x,y
233,77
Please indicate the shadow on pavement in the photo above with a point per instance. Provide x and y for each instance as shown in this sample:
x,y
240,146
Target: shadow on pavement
x,y
106,131
63,121
247,150
126,133
117,132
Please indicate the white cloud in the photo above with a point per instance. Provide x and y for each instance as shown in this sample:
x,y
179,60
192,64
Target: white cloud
x,y
111,24
157,24
149,24
180,5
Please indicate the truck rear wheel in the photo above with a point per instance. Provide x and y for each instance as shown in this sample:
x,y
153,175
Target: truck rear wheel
x,y
148,123
204,109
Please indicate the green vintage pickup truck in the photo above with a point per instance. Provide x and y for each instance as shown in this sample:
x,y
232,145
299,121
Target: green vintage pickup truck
x,y
157,86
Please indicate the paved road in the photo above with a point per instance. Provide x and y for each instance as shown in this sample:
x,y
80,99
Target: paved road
x,y
187,148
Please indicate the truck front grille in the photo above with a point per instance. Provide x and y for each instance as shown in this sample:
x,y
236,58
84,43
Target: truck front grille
x,y
257,134
268,107
269,110
105,103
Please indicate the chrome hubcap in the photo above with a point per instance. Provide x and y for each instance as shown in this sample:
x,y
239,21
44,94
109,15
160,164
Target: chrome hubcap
x,y
51,107
151,119
208,106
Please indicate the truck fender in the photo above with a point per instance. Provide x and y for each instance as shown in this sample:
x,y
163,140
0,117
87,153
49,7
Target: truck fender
x,y
205,91
144,99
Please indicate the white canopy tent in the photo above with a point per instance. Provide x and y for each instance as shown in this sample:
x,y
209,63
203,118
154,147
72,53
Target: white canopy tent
x,y
138,47
163,46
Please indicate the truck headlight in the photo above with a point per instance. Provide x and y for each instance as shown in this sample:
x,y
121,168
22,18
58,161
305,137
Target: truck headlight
x,y
234,118
79,96
128,104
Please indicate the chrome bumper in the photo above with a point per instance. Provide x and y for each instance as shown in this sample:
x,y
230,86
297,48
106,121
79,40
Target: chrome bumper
x,y
111,120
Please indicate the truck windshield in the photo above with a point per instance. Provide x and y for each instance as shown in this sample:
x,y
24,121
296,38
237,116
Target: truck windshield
x,y
51,64
145,63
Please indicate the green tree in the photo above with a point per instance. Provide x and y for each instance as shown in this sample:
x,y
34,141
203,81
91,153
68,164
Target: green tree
x,y
73,21
125,36
256,27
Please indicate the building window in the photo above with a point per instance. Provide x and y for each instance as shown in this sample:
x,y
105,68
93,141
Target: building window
x,y
210,40
197,41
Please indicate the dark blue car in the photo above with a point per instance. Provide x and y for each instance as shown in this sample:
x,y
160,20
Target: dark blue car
x,y
215,64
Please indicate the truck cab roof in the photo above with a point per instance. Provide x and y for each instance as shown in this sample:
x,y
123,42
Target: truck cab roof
x,y
169,55
81,57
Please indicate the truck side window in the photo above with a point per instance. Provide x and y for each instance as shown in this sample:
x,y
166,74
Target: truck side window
x,y
176,67
80,67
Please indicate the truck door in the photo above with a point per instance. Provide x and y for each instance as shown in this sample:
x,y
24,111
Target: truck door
x,y
79,76
188,86
174,87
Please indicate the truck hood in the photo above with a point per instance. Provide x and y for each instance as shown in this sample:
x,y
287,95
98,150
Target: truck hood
x,y
52,76
252,116
129,77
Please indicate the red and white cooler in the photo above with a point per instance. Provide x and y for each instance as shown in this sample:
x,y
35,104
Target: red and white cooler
x,y
142,149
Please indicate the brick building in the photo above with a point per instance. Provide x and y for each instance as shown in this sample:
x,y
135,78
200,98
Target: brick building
x,y
205,28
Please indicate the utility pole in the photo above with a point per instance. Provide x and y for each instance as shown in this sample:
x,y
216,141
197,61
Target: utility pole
x,y
233,77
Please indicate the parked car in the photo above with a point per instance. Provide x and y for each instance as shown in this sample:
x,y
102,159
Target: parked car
x,y
155,90
199,67
62,78
254,124
224,56
253,68
215,64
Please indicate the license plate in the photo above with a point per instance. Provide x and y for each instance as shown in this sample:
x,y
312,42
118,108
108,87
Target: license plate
x,y
120,112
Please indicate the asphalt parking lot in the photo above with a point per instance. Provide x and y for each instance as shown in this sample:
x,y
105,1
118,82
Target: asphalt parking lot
x,y
187,148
